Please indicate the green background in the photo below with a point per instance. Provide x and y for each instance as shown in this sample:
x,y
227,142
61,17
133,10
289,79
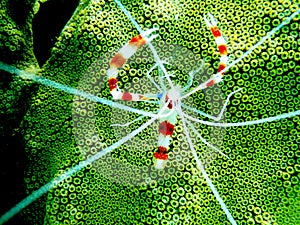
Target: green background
x,y
260,184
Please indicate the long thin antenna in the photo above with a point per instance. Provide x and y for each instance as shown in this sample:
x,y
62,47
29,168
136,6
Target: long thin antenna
x,y
71,90
204,141
205,175
42,190
249,51
269,119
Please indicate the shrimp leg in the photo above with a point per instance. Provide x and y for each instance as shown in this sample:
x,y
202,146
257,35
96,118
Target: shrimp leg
x,y
220,41
119,60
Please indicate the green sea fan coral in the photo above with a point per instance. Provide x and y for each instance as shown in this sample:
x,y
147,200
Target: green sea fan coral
x,y
260,182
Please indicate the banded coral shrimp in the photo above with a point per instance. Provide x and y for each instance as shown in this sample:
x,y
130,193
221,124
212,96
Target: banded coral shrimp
x,y
86,95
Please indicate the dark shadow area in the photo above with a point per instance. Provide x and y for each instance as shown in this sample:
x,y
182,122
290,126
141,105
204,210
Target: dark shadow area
x,y
12,167
48,24
20,10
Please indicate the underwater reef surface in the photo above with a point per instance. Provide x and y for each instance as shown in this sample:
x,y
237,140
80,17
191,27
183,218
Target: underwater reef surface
x,y
55,127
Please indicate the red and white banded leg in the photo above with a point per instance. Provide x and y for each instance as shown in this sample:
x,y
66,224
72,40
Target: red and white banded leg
x,y
216,78
212,24
119,60
165,130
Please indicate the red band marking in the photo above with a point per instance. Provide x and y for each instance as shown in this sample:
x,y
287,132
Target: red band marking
x,y
221,67
215,31
170,105
137,41
210,83
117,61
165,128
162,149
112,82
162,156
127,96
223,49
161,153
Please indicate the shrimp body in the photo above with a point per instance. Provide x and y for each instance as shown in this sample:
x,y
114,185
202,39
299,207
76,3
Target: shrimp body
x,y
172,96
